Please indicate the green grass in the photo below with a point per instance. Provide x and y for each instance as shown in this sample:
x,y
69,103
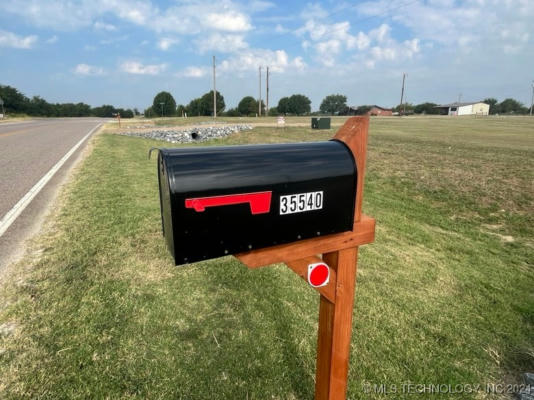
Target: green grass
x,y
444,296
15,117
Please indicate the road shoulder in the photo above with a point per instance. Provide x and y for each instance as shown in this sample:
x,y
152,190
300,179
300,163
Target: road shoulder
x,y
17,245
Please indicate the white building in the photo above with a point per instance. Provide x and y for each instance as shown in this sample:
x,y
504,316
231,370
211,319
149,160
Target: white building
x,y
476,108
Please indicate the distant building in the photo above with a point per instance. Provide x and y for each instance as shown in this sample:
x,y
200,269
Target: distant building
x,y
351,110
384,112
373,110
474,108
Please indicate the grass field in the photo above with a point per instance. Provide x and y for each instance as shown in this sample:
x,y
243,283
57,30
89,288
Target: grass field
x,y
335,121
444,296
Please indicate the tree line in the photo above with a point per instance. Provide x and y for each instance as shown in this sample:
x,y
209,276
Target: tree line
x,y
298,104
164,105
16,102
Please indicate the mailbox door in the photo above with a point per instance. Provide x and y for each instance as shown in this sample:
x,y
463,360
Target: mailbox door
x,y
217,202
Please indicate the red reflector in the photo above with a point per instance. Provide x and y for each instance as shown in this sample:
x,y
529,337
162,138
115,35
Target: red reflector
x,y
318,274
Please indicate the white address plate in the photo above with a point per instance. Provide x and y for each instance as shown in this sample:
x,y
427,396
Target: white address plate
x,y
301,202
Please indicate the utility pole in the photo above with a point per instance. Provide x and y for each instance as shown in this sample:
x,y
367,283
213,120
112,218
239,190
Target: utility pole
x,y
162,104
214,92
259,101
267,95
402,92
532,101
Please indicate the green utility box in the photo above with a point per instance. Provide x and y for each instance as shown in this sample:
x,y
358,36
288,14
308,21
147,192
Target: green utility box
x,y
320,123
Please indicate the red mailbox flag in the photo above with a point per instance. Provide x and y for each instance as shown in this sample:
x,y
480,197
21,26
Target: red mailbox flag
x,y
260,202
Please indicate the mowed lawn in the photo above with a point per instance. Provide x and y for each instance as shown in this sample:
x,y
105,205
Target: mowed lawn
x,y
444,296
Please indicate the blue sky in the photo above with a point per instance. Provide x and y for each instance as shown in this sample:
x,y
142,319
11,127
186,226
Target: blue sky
x,y
123,52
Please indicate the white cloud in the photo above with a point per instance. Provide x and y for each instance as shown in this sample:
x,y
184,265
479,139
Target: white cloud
x,y
137,12
315,31
320,32
166,43
88,70
188,17
221,42
250,60
312,11
231,22
9,39
362,41
193,72
328,51
412,46
381,33
383,53
66,15
392,51
52,39
330,39
61,15
298,63
137,68
465,25
102,26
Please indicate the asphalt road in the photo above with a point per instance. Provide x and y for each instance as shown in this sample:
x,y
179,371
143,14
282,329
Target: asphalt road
x,y
28,150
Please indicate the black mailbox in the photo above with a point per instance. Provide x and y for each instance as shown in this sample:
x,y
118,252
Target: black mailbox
x,y
226,200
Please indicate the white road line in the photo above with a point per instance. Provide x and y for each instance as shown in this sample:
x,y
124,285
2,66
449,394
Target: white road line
x,y
18,208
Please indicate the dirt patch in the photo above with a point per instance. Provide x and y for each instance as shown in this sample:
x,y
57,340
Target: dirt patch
x,y
504,238
7,329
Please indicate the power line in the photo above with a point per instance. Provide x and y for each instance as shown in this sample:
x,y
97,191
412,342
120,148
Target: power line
x,y
402,93
267,94
259,101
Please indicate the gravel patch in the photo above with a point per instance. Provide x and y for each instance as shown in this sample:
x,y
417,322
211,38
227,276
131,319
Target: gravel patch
x,y
190,135
527,392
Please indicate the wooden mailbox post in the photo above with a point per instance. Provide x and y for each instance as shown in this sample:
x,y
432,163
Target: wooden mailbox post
x,y
340,253
236,209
